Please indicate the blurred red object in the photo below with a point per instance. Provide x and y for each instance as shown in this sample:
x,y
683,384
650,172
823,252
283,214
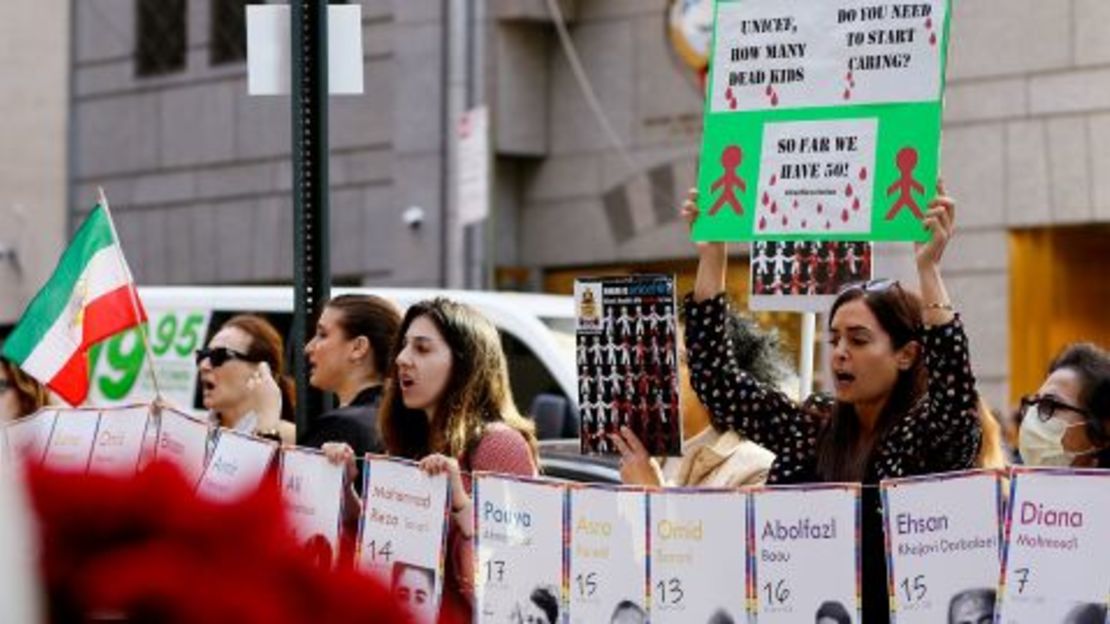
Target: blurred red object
x,y
148,550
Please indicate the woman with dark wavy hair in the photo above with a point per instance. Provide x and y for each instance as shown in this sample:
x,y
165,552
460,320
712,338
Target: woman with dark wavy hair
x,y
20,394
904,399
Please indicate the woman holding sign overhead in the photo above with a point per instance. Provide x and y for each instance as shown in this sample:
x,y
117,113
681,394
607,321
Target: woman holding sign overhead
x,y
905,401
448,404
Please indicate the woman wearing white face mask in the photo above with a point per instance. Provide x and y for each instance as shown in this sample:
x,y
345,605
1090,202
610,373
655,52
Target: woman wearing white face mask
x,y
1067,422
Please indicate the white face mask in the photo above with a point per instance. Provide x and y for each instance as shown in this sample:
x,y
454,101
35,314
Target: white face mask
x,y
1041,442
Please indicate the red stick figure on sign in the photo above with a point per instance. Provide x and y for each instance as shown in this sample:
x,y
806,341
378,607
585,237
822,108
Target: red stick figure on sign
x,y
905,185
730,160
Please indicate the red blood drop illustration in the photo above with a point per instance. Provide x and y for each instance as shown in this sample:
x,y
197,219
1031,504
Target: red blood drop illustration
x,y
769,90
844,215
828,225
728,93
732,104
933,39
763,223
820,208
928,22
795,204
847,94
805,223
774,208
766,198
855,204
774,99
774,178
863,174
848,191
785,220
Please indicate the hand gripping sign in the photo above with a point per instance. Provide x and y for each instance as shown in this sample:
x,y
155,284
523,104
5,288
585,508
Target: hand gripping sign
x,y
822,119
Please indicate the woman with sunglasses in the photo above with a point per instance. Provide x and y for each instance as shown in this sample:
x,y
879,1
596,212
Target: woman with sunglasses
x,y
1067,422
20,394
448,405
904,397
241,379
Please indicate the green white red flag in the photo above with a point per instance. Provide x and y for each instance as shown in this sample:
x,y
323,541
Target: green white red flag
x,y
89,297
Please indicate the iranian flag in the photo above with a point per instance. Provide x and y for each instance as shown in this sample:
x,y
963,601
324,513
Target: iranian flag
x,y
89,297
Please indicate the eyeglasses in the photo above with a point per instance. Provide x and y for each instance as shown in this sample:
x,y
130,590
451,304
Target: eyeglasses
x,y
218,356
1047,406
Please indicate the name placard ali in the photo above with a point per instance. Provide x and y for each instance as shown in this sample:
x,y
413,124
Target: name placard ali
x,y
1056,568
519,544
805,552
403,532
943,545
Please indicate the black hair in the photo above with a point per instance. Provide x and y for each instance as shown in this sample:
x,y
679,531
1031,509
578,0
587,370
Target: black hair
x,y
627,605
981,594
374,317
1092,365
1088,613
544,598
834,610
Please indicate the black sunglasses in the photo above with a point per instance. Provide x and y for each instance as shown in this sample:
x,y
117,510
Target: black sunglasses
x,y
1047,406
218,356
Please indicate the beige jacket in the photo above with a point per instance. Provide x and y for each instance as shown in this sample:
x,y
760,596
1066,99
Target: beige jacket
x,y
720,460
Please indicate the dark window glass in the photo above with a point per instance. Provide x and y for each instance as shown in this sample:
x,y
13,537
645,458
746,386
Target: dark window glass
x,y
161,36
227,30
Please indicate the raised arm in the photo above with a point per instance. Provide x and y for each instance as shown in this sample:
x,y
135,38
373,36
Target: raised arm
x,y
954,432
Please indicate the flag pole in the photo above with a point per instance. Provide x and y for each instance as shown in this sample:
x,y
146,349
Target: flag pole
x,y
132,290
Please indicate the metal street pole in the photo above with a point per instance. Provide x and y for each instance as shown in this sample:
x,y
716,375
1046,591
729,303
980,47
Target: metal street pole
x,y
311,251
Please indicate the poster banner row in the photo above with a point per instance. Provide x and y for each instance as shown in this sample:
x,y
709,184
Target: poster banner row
x,y
593,553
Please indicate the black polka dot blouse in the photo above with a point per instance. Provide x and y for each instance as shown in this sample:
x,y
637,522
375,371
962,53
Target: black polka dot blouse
x,y
940,433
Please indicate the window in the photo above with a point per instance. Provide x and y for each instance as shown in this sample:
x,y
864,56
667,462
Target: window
x,y
161,35
227,31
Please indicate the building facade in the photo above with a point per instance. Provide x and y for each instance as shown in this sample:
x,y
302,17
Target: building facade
x,y
199,172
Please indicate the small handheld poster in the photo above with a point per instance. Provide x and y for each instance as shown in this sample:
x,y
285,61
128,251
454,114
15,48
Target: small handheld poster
x,y
238,466
805,552
943,544
699,555
607,547
71,442
805,276
1056,568
27,437
313,490
519,544
183,442
119,440
822,119
627,362
403,532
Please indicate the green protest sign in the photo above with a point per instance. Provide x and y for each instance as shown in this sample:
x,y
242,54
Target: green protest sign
x,y
822,119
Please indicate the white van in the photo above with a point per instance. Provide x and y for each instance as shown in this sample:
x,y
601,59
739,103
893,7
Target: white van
x,y
537,333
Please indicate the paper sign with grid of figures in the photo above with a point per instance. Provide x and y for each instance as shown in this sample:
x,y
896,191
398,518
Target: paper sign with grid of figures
x,y
627,358
1056,568
403,531
822,119
944,549
805,553
607,545
519,545
698,556
805,276
237,467
312,488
